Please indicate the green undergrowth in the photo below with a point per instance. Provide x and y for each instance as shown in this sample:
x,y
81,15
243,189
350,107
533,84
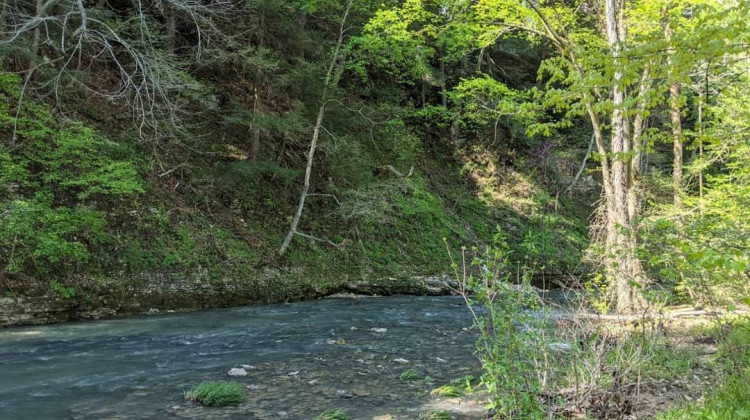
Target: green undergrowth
x,y
111,217
456,388
338,414
731,401
217,394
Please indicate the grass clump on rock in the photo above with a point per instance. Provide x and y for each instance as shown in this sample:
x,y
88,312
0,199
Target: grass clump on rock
x,y
338,414
409,375
217,393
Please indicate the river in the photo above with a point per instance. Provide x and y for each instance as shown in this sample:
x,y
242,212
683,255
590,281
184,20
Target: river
x,y
305,358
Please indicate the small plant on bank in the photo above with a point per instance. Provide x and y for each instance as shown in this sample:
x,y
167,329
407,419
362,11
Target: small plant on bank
x,y
512,340
217,393
464,382
450,391
338,414
409,376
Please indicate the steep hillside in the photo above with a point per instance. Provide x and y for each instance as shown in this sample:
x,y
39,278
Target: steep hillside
x,y
93,226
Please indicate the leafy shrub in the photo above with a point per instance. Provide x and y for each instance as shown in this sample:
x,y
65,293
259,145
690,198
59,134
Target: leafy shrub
x,y
58,178
511,333
217,394
35,234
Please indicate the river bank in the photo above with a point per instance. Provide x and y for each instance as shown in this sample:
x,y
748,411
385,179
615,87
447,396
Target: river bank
x,y
160,292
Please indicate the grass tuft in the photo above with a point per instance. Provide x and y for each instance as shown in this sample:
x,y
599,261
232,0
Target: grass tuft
x,y
450,391
409,375
338,414
217,393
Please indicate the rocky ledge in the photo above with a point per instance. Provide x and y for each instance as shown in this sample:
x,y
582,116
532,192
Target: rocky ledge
x,y
152,295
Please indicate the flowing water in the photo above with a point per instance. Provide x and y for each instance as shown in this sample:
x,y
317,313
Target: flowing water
x,y
305,358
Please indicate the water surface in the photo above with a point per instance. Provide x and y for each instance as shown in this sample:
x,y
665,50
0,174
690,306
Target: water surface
x,y
306,357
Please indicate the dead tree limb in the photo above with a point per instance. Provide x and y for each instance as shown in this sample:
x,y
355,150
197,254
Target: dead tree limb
x,y
316,133
396,172
316,239
583,166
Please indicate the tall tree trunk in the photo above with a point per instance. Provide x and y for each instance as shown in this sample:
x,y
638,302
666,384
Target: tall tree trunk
x,y
37,30
700,145
621,262
255,132
623,269
443,89
639,126
674,112
3,13
316,133
171,41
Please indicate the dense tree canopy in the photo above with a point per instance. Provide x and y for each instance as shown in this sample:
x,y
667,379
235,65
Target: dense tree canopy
x,y
181,134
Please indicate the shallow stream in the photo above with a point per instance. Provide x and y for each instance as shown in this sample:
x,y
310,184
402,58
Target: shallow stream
x,y
304,358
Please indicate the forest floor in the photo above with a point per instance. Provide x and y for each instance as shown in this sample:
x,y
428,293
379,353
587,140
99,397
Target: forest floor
x,y
694,350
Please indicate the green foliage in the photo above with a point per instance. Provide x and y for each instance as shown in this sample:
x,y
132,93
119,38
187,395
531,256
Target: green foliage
x,y
732,400
511,332
457,388
58,176
390,43
409,375
62,290
450,391
217,394
35,235
665,361
338,414
701,253
391,214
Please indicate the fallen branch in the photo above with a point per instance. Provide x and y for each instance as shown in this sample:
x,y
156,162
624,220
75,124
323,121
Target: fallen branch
x,y
329,81
396,172
313,238
653,316
583,166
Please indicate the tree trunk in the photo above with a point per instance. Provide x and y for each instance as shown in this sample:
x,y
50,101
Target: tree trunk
x,y
674,113
639,126
700,145
443,89
171,41
622,266
255,132
316,135
37,30
3,12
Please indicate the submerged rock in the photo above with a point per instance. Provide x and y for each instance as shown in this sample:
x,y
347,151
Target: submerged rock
x,y
237,372
343,393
